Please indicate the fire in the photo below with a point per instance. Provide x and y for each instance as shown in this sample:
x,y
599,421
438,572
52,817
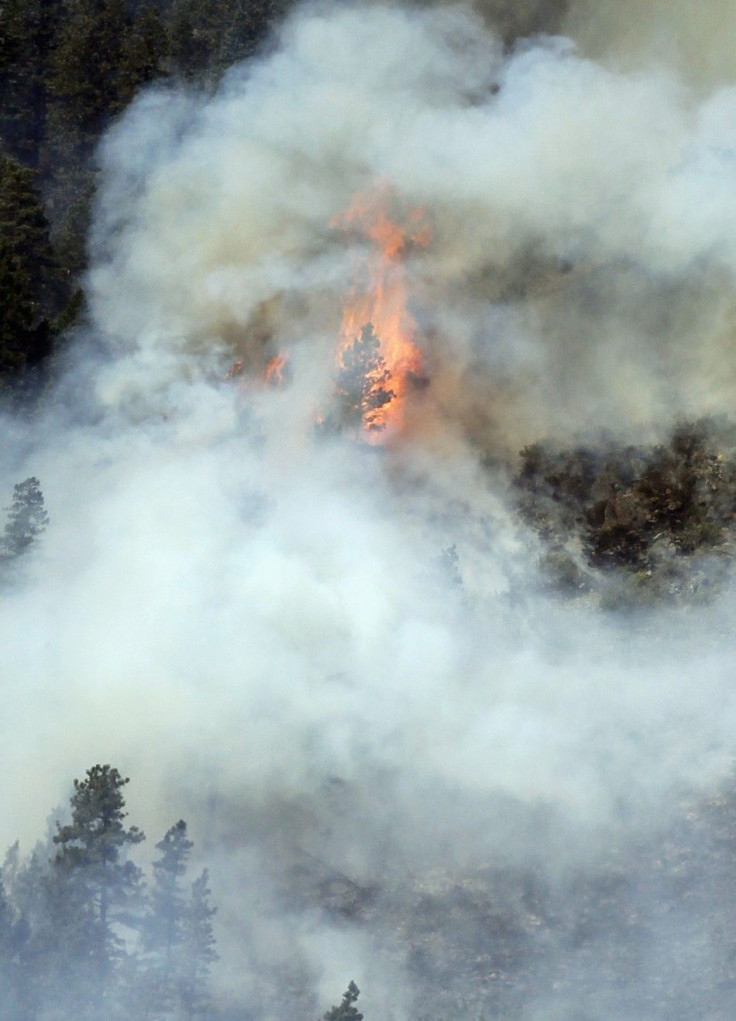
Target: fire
x,y
273,374
376,310
236,369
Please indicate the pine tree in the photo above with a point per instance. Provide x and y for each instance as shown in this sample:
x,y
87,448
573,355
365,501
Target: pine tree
x,y
164,930
199,948
346,1011
167,898
27,518
77,937
13,1002
35,935
361,388
98,891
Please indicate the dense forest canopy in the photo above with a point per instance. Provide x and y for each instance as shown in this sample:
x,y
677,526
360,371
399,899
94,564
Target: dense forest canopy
x,y
66,70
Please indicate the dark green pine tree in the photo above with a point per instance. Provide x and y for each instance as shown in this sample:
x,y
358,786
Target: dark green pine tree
x,y
361,387
28,284
346,1011
27,519
99,890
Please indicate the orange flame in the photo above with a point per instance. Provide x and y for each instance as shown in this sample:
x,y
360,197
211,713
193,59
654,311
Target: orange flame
x,y
379,294
274,372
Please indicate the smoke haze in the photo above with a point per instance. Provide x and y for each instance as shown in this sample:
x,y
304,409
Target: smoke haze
x,y
253,621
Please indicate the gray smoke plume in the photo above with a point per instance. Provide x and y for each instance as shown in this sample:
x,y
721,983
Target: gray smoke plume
x,y
254,621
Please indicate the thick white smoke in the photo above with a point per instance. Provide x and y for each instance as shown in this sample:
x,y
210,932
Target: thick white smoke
x,y
253,621
606,196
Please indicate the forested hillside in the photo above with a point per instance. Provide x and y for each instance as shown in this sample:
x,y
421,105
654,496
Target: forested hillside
x,y
368,494
67,68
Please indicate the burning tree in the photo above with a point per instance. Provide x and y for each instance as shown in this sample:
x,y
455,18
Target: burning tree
x,y
362,385
378,356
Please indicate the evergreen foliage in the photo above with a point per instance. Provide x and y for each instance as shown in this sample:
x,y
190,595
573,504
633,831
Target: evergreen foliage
x,y
346,1011
27,34
361,387
27,284
207,36
143,54
67,67
86,61
81,938
165,925
27,519
199,944
649,514
165,928
102,889
6,937
35,936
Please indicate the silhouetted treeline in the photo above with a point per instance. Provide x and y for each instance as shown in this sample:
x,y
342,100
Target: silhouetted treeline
x,y
84,936
67,67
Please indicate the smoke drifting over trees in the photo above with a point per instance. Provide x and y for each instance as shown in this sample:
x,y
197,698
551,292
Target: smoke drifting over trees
x,y
435,728
81,937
